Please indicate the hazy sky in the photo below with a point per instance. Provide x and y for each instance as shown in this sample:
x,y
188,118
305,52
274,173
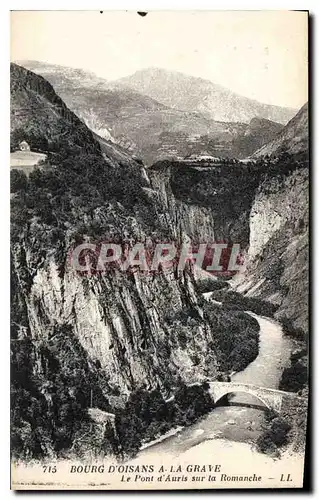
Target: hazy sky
x,y
262,55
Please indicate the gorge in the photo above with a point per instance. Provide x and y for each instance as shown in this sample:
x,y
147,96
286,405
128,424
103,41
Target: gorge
x,y
80,342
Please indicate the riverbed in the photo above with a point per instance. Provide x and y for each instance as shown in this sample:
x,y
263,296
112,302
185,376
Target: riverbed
x,y
238,426
223,439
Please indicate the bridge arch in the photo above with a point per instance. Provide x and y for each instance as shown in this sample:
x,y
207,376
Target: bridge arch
x,y
265,403
270,398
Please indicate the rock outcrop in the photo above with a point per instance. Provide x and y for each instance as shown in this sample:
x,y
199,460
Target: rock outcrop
x,y
278,252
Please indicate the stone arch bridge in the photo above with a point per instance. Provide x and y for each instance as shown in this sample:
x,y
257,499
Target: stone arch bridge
x,y
271,398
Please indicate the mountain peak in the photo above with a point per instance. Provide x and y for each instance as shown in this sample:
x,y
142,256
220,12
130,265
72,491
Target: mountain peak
x,y
194,94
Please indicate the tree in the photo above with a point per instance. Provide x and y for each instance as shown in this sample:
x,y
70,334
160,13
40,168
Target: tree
x,y
18,181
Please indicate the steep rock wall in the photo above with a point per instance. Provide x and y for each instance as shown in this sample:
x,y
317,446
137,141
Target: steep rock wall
x,y
266,212
208,202
121,322
278,252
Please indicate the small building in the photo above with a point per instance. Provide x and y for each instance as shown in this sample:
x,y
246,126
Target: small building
x,y
24,146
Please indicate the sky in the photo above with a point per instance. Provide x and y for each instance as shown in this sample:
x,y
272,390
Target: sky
x,y
259,54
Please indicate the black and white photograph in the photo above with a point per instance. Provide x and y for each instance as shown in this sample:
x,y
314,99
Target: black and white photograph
x,y
159,192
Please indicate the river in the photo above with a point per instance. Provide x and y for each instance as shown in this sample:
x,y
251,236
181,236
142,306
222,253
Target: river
x,y
236,427
225,437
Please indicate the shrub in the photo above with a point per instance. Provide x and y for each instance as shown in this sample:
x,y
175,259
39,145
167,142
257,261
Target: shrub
x,y
236,334
182,338
274,437
69,379
280,429
18,181
290,330
210,285
294,378
235,300
146,414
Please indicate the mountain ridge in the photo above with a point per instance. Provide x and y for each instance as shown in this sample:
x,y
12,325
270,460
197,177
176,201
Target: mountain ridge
x,y
292,139
192,93
147,128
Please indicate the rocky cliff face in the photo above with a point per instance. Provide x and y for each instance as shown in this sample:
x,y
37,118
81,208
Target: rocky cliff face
x,y
41,118
263,208
79,341
279,225
122,325
119,320
207,200
278,251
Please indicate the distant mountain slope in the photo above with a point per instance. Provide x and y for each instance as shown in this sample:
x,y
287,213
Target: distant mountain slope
x,y
189,93
41,118
147,128
292,139
91,97
64,74
258,132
